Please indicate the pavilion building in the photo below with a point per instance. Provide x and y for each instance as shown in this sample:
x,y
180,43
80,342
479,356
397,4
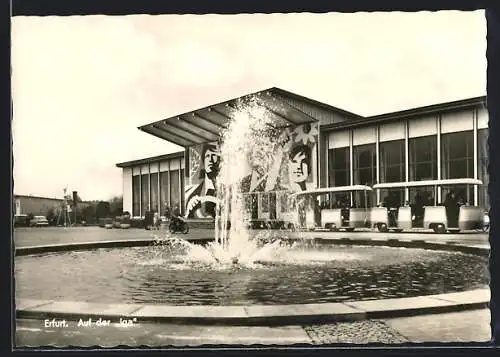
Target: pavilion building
x,y
325,147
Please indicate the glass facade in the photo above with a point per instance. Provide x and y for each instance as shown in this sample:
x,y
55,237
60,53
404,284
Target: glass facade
x,y
159,192
456,161
423,158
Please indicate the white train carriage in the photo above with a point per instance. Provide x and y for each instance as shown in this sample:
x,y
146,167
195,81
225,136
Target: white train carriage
x,y
345,208
425,212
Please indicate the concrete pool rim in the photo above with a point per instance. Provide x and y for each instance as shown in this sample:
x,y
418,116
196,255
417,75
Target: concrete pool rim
x,y
256,315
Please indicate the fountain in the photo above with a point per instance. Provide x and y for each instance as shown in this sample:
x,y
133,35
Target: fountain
x,y
249,141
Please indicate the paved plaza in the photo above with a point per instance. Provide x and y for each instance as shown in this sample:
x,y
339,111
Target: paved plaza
x,y
466,326
25,237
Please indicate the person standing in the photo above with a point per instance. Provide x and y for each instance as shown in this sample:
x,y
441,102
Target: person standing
x,y
452,209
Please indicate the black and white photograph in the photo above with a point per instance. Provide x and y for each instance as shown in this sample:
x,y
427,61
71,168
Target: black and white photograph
x,y
283,179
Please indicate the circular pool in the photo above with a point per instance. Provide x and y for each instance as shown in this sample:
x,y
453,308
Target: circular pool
x,y
302,275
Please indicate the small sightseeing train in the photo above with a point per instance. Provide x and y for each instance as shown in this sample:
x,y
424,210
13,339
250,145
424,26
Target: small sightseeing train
x,y
348,208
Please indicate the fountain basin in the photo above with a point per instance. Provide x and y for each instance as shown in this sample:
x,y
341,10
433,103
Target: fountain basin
x,y
255,314
323,274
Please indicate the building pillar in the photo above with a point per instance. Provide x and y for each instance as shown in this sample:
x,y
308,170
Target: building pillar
x,y
327,160
149,187
181,208
158,198
351,163
438,152
476,163
407,161
377,160
140,190
169,187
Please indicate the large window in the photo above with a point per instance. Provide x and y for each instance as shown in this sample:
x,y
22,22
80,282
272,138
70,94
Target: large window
x,y
338,167
364,172
392,161
457,161
182,191
154,192
482,169
364,164
136,196
144,194
164,193
457,155
175,196
423,158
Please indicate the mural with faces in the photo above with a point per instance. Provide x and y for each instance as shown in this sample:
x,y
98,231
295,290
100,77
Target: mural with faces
x,y
293,168
294,165
200,192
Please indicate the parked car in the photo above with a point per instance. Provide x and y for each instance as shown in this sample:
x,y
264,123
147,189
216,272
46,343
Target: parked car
x,y
39,221
21,220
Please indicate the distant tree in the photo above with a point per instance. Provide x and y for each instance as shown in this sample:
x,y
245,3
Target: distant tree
x,y
89,213
103,209
116,206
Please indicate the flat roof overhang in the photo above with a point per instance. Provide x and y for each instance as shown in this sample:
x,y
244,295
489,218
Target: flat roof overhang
x,y
409,113
207,124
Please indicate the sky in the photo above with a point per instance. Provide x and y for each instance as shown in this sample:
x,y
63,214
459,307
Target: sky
x,y
82,85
